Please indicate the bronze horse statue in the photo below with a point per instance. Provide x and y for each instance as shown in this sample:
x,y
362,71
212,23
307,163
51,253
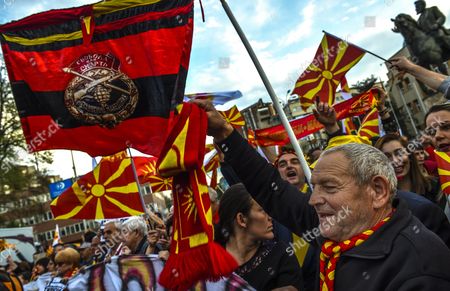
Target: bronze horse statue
x,y
426,50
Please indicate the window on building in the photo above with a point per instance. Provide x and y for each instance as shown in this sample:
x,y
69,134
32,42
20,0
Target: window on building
x,y
77,227
82,226
63,232
49,236
72,229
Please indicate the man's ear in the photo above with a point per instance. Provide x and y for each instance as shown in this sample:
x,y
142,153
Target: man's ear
x,y
381,193
241,220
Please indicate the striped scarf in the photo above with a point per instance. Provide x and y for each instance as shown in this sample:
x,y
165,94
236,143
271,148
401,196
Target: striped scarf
x,y
331,251
194,255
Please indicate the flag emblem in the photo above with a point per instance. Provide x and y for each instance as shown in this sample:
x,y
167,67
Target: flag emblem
x,y
99,93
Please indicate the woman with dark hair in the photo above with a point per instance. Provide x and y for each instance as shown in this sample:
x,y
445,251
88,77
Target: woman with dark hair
x,y
246,232
409,174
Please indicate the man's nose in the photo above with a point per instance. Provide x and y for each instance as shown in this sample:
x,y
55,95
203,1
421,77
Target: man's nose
x,y
316,198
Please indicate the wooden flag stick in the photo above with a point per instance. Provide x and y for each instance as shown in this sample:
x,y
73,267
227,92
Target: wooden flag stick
x,y
271,92
137,182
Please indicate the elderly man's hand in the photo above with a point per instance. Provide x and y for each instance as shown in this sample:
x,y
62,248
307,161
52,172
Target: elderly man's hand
x,y
217,125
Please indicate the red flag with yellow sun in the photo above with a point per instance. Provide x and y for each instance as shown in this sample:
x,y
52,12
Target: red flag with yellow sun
x,y
147,173
333,59
233,116
109,191
443,161
370,126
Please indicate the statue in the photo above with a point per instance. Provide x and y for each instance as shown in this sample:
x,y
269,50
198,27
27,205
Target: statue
x,y
427,39
431,20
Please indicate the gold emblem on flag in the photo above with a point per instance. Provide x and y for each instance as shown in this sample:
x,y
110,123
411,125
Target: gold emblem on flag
x,y
99,93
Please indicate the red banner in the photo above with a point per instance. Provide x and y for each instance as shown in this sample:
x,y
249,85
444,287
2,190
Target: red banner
x,y
277,135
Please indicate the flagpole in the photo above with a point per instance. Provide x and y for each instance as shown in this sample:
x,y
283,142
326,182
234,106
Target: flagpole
x,y
73,164
369,52
407,110
271,92
137,182
392,107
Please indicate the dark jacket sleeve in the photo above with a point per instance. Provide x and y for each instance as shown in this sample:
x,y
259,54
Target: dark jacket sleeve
x,y
279,199
229,174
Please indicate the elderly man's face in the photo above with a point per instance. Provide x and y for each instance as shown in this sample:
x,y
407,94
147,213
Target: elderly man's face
x,y
343,207
290,170
111,233
131,238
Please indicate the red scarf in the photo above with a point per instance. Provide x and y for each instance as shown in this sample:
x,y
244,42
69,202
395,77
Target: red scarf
x,y
194,255
331,251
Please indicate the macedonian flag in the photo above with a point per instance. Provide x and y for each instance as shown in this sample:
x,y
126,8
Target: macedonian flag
x,y
333,59
233,116
147,173
370,126
443,161
109,191
100,77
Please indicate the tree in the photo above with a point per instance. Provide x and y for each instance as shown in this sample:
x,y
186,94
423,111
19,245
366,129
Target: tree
x,y
12,142
365,85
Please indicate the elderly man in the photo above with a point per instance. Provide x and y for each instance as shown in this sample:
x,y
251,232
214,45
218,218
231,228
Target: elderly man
x,y
368,240
134,232
113,238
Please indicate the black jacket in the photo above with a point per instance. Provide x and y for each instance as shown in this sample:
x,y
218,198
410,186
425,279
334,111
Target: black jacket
x,y
141,247
402,255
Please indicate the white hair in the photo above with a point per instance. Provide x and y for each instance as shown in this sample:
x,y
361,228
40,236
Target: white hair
x,y
116,222
366,162
135,223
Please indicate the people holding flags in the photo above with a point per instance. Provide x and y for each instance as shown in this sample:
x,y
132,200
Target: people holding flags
x,y
352,211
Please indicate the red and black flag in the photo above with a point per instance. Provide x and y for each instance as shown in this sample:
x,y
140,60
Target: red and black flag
x,y
99,77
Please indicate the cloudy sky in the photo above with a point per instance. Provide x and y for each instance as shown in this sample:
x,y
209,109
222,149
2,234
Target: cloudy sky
x,y
284,34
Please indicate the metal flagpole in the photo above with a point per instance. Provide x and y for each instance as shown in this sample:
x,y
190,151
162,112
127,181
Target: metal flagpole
x,y
407,110
424,107
271,92
392,107
137,182
73,165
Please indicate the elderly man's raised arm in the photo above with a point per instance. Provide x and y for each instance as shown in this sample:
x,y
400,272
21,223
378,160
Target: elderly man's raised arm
x,y
279,199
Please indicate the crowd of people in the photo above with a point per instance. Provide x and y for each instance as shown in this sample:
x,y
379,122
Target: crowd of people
x,y
135,235
373,216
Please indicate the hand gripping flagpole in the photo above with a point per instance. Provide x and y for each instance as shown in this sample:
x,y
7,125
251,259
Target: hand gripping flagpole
x,y
137,182
271,92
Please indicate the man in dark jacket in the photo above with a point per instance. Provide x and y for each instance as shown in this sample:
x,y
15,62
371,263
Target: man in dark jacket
x,y
368,240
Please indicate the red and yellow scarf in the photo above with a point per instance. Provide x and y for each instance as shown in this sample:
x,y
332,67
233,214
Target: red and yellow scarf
x,y
194,255
331,251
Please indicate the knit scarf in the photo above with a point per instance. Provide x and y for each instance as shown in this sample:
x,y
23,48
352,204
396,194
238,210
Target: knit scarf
x,y
331,251
194,255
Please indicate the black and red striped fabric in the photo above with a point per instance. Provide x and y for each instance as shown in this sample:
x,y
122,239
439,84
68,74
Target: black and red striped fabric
x,y
147,41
